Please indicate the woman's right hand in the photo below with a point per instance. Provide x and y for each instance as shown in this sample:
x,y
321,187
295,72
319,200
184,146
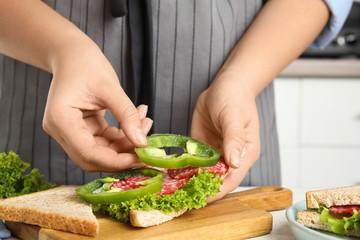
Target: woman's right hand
x,y
84,85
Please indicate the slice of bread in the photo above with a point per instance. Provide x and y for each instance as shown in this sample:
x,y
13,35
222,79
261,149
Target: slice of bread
x,y
58,208
311,218
340,196
151,218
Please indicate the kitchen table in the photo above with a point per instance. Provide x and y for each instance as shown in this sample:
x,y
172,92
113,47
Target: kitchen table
x,y
281,229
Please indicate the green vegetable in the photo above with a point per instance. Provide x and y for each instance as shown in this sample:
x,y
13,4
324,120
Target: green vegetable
x,y
12,180
193,195
108,179
340,225
152,185
196,153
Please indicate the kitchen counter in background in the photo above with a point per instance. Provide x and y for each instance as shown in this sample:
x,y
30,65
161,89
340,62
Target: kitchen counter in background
x,y
317,105
319,67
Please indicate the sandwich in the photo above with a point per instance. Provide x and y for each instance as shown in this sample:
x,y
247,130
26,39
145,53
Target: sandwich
x,y
58,208
181,190
29,199
334,210
167,187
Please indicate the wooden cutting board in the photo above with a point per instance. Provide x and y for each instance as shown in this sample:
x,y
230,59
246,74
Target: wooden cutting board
x,y
239,215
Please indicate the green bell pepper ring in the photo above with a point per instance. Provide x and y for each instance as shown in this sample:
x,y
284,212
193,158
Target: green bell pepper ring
x,y
196,153
150,186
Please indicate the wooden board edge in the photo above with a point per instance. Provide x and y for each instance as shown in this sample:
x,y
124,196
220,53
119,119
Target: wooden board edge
x,y
23,230
238,231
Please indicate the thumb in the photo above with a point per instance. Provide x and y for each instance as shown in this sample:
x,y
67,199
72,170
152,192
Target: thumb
x,y
241,139
127,115
234,142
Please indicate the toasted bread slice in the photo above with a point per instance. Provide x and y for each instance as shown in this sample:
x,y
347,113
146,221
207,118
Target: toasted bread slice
x,y
340,196
311,218
58,208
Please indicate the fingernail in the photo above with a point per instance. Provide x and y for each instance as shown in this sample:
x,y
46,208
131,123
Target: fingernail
x,y
143,111
235,158
148,125
140,138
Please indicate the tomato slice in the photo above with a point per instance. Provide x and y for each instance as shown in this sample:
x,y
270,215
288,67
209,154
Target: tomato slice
x,y
344,209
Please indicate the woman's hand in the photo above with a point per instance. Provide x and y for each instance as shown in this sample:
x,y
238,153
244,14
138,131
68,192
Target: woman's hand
x,y
226,117
83,86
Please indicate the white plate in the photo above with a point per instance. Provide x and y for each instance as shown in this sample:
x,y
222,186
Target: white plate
x,y
304,233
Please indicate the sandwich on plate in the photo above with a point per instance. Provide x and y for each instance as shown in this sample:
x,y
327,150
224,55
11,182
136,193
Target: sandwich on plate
x,y
167,187
334,210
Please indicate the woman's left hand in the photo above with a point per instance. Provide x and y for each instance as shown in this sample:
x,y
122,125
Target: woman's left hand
x,y
226,117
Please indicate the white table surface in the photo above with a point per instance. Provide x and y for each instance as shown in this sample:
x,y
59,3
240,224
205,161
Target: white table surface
x,y
281,229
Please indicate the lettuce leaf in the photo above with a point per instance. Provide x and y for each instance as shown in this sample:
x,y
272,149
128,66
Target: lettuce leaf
x,y
340,225
12,180
193,195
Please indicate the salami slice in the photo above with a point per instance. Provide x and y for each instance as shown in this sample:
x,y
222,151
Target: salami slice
x,y
344,209
181,173
187,172
133,180
121,184
173,178
170,184
219,168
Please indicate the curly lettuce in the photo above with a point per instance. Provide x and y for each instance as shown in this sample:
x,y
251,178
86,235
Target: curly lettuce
x,y
193,195
12,180
340,225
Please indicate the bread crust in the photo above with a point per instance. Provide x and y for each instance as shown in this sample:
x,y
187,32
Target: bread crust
x,y
340,196
59,208
311,218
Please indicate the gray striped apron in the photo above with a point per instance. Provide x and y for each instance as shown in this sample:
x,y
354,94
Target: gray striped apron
x,y
190,41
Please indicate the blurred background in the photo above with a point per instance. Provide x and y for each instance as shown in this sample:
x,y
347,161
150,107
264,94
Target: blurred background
x,y
318,112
